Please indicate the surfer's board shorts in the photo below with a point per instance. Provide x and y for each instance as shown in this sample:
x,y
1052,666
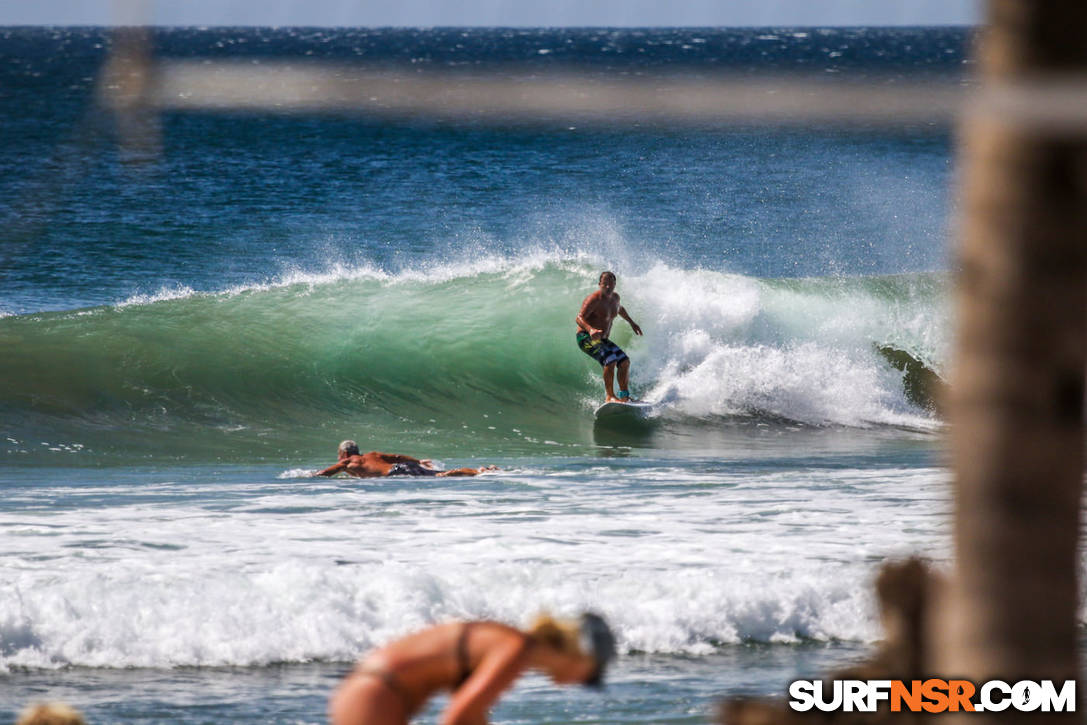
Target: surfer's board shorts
x,y
604,351
411,468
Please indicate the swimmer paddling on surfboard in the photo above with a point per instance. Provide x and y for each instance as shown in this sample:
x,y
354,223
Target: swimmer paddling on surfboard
x,y
594,320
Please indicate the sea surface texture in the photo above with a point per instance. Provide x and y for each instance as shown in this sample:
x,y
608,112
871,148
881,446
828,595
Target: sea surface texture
x,y
187,333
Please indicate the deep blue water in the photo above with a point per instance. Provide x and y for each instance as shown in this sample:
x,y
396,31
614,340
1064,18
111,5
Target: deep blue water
x,y
234,199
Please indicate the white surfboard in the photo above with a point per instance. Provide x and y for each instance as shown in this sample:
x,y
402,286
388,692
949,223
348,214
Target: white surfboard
x,y
637,409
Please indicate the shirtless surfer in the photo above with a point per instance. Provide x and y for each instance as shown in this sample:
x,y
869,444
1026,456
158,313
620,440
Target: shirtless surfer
x,y
375,464
598,312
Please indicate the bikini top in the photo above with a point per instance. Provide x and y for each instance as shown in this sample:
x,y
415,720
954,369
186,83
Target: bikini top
x,y
462,655
463,661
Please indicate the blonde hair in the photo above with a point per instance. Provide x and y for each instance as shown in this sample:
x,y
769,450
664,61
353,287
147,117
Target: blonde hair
x,y
50,713
563,635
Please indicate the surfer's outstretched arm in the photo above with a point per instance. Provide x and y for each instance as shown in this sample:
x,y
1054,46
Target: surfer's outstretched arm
x,y
467,471
333,469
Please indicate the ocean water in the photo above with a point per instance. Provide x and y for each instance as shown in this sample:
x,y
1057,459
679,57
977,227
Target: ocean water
x,y
186,335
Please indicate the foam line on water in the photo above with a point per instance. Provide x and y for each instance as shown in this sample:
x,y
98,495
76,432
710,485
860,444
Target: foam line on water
x,y
294,571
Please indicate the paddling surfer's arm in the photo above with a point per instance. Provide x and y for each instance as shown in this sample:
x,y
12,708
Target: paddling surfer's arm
x,y
633,324
333,469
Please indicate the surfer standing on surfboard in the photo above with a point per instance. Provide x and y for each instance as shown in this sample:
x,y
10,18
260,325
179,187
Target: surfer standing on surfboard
x,y
594,320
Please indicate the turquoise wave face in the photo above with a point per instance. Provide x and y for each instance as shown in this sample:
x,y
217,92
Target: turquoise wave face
x,y
454,361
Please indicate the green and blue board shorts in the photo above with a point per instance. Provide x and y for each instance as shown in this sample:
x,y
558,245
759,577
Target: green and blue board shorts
x,y
604,351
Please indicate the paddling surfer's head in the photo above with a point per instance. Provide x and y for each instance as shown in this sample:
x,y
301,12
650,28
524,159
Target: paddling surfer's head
x,y
347,449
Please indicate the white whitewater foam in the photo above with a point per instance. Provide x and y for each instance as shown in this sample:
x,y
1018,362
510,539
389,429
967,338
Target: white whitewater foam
x,y
726,345
680,561
298,473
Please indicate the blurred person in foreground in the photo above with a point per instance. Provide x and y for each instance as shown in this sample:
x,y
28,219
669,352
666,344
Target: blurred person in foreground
x,y
50,713
476,661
